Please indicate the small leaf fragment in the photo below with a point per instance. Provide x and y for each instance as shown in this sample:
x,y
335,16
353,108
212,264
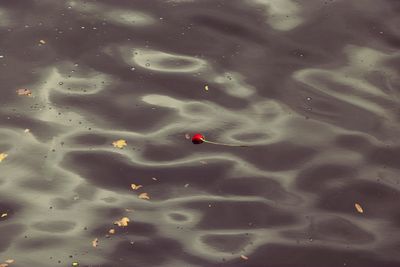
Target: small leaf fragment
x,y
121,143
3,156
206,87
144,196
111,231
95,243
135,186
123,222
10,261
4,215
42,41
24,92
358,208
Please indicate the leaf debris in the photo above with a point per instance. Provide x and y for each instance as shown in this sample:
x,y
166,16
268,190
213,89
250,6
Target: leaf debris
x,y
123,222
4,215
144,196
135,186
24,92
121,143
3,156
111,231
358,208
95,243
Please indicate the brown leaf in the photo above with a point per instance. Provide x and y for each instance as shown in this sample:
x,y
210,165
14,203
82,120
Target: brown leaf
x,y
95,243
123,222
135,186
23,91
4,265
244,257
121,143
359,208
144,196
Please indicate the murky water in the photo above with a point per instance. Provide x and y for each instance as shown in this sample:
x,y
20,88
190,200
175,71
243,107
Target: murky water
x,y
311,87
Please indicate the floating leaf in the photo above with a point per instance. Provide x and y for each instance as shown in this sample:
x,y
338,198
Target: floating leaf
x,y
42,41
4,215
144,196
75,264
244,257
4,265
23,91
359,208
135,186
3,156
123,222
10,261
111,231
206,87
121,143
95,243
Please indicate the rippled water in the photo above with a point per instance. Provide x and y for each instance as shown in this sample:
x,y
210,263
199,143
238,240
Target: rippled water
x,y
312,87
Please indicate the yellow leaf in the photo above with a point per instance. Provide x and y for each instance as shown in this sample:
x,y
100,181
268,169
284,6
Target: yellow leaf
x,y
3,156
244,257
3,215
119,143
135,187
359,208
123,222
75,264
95,243
144,196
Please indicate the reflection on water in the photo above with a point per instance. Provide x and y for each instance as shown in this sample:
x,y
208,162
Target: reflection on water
x,y
311,87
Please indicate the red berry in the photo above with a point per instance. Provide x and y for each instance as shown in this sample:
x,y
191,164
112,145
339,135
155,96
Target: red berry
x,y
198,139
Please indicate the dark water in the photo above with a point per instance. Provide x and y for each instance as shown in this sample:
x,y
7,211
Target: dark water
x,y
313,87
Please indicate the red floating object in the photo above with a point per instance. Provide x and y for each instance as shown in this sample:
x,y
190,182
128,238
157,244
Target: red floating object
x,y
198,139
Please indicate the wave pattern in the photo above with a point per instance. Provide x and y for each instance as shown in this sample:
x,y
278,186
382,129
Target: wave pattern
x,y
311,87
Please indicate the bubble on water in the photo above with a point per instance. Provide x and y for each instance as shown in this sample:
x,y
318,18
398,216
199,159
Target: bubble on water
x,y
60,83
